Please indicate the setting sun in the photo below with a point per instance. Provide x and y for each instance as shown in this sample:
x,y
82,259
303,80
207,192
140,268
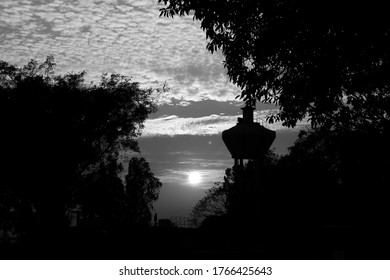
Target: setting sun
x,y
194,177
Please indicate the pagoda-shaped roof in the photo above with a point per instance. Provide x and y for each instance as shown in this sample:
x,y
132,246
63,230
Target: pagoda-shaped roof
x,y
248,139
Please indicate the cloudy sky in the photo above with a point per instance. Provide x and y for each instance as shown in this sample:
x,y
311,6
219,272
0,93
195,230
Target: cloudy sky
x,y
129,37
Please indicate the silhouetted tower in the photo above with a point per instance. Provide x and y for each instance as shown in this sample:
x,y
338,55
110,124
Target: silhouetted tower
x,y
247,140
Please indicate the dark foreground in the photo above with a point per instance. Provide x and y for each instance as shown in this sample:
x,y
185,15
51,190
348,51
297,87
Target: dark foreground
x,y
180,243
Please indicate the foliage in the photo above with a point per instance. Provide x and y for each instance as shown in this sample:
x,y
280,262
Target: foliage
x,y
101,194
328,177
212,204
308,180
59,133
230,196
334,177
327,60
141,190
216,200
109,201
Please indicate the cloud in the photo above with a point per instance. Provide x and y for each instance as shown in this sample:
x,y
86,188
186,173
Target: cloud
x,y
172,158
207,125
126,37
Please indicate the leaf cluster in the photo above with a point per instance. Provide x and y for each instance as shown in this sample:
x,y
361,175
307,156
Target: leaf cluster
x,y
215,202
326,60
57,130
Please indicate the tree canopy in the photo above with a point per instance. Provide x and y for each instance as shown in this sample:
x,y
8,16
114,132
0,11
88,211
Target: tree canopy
x,y
234,197
215,202
327,178
339,175
141,190
328,60
61,139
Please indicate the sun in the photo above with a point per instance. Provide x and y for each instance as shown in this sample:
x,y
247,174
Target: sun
x,y
194,177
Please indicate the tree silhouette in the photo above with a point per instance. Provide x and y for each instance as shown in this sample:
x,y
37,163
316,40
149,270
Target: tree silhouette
x,y
235,196
100,193
310,186
108,201
214,203
141,190
328,60
58,133
333,178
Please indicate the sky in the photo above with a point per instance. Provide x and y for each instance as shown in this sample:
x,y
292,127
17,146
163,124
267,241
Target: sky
x,y
129,37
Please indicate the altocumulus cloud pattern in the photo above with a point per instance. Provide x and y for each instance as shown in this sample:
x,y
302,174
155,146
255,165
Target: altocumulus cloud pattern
x,y
207,125
123,36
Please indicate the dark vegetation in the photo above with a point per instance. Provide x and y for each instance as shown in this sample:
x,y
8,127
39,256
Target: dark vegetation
x,y
60,147
328,62
327,195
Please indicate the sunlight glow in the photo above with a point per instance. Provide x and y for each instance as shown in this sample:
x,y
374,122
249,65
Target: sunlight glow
x,y
194,177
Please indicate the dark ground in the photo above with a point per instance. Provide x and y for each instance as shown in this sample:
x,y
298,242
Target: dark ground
x,y
181,243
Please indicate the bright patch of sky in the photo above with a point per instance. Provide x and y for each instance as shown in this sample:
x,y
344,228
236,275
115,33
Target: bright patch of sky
x,y
122,36
129,37
206,125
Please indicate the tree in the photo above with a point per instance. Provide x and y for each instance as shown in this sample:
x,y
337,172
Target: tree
x,y
234,196
333,178
101,195
329,60
57,130
108,201
308,190
214,203
141,190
